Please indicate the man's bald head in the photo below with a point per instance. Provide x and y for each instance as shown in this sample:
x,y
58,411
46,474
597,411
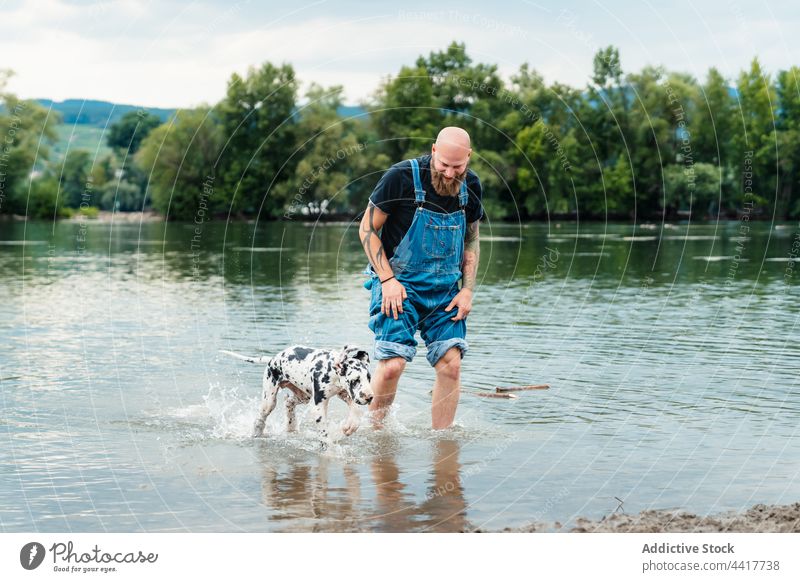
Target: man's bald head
x,y
453,144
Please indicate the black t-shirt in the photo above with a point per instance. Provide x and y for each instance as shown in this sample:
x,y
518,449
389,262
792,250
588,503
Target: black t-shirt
x,y
394,195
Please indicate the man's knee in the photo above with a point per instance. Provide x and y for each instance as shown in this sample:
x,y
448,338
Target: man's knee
x,y
392,368
449,366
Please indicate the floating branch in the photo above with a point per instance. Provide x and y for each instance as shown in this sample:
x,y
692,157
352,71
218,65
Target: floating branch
x,y
504,389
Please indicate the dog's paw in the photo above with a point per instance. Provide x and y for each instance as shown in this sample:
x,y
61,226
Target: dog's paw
x,y
349,428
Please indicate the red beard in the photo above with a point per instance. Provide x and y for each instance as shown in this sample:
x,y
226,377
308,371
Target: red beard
x,y
443,186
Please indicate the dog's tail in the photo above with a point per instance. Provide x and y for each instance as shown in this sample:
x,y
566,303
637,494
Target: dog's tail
x,y
251,359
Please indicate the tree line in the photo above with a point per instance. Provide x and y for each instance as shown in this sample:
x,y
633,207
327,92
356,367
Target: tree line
x,y
640,145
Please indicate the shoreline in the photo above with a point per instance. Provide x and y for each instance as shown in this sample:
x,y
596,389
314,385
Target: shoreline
x,y
107,216
760,518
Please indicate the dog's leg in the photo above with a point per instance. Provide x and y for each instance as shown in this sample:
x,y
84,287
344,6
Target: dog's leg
x,y
291,420
270,397
321,412
351,423
321,418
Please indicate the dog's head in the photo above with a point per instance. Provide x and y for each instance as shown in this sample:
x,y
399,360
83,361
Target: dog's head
x,y
352,366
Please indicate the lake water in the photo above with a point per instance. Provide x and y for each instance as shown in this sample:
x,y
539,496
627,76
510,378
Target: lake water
x,y
672,353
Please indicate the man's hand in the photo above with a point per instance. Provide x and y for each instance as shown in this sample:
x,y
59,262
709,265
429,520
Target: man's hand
x,y
393,295
462,300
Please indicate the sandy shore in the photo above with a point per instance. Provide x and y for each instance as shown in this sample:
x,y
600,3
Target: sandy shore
x,y
759,518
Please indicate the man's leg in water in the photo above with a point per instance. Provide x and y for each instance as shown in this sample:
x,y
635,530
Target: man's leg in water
x,y
384,388
446,389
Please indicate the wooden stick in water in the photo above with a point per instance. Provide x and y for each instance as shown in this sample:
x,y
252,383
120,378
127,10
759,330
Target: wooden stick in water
x,y
504,389
484,394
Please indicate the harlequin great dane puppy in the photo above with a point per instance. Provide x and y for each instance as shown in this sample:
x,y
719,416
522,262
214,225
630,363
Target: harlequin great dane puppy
x,y
313,374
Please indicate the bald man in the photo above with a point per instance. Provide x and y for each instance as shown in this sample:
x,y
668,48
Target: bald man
x,y
420,234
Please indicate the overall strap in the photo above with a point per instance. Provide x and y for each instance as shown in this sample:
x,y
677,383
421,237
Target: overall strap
x,y
419,192
462,196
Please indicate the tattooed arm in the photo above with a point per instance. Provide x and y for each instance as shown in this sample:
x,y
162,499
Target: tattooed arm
x,y
469,268
369,233
392,291
472,252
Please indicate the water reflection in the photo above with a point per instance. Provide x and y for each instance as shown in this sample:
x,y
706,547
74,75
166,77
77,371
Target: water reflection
x,y
444,508
286,255
319,493
303,497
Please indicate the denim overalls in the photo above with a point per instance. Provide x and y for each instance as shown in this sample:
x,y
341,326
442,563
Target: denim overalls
x,y
428,264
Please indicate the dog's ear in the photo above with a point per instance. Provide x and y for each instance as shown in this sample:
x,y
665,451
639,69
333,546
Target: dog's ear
x,y
350,352
355,353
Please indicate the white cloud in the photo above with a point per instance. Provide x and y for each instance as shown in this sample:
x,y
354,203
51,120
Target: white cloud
x,y
178,54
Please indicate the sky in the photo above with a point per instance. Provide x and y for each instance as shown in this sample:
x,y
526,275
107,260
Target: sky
x,y
181,54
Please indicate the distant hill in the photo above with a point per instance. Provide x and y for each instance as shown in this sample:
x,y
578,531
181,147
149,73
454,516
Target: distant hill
x,y
84,122
97,113
102,113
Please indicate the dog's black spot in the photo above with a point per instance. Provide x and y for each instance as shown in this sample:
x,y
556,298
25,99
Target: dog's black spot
x,y
319,393
299,353
330,365
318,365
326,378
274,374
352,385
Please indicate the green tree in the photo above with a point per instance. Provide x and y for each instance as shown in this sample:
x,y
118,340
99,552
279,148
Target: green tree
x,y
126,135
694,188
470,95
330,158
103,171
404,114
74,178
787,138
597,122
26,129
180,159
609,98
445,88
754,137
500,198
659,134
121,195
618,200
714,121
547,113
258,121
532,160
40,199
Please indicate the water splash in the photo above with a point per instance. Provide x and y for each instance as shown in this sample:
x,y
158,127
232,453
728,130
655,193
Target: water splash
x,y
232,414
